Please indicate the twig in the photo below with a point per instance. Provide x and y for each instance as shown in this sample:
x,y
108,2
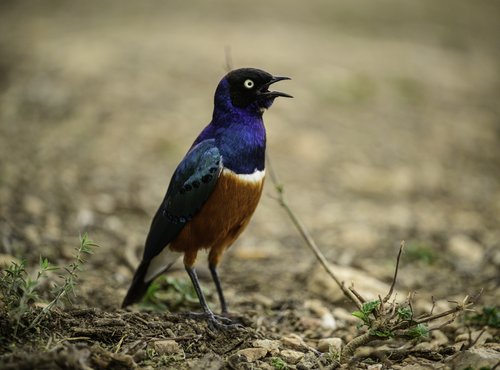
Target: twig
x,y
391,290
458,308
352,295
119,345
356,294
388,321
359,341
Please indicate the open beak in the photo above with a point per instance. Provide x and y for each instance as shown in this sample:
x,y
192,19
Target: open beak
x,y
265,93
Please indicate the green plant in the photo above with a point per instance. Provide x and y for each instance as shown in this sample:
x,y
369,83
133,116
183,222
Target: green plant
x,y
278,363
173,290
419,331
19,291
402,318
489,315
385,318
366,311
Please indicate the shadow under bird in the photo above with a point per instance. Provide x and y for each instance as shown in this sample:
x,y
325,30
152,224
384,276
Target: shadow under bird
x,y
215,189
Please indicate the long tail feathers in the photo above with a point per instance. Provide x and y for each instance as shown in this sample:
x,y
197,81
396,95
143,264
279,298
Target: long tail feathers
x,y
138,287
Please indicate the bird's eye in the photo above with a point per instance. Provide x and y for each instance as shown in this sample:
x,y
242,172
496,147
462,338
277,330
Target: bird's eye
x,y
248,84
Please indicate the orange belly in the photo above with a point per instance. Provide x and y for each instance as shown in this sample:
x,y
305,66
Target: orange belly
x,y
221,219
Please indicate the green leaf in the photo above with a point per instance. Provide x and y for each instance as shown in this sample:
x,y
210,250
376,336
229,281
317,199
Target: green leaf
x,y
405,313
370,306
418,332
360,315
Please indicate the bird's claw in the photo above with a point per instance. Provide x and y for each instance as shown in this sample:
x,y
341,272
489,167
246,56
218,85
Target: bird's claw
x,y
216,322
222,323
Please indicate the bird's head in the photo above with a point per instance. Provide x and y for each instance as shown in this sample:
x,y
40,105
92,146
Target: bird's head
x,y
248,89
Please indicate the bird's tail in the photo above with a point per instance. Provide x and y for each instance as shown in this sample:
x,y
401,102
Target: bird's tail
x,y
138,287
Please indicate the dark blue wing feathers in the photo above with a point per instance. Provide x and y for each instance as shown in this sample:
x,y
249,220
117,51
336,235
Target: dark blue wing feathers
x,y
191,185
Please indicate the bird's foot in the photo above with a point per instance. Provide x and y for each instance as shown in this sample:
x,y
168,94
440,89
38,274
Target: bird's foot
x,y
216,322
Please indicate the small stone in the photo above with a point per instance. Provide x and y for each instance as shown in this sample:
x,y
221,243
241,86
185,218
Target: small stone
x,y
478,337
466,249
293,341
85,217
374,367
425,347
310,323
272,346
291,356
317,307
475,358
332,345
252,354
167,347
439,338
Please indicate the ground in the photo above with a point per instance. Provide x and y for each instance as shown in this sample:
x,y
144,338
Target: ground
x,y
393,134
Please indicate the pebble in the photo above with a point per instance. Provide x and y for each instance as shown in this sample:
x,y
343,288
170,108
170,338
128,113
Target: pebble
x,y
482,335
272,346
291,356
252,354
475,358
295,342
466,249
168,347
317,307
332,345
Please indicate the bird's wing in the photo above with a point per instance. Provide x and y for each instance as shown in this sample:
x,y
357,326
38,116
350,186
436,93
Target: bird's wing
x,y
191,185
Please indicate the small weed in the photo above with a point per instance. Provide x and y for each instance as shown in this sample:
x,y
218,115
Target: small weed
x,y
405,313
19,291
489,316
419,331
175,291
366,312
278,363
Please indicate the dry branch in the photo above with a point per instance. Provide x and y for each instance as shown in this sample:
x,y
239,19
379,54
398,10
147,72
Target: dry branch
x,y
384,319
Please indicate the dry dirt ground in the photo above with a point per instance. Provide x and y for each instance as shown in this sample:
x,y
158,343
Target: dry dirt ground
x,y
394,133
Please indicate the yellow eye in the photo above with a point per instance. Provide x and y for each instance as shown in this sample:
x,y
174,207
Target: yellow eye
x,y
248,84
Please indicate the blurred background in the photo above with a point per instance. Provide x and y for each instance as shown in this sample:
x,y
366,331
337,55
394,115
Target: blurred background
x,y
393,134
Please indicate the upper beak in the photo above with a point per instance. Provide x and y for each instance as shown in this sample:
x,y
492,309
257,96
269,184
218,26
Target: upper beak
x,y
264,92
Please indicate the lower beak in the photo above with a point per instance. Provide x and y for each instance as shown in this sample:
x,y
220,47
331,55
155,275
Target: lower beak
x,y
265,93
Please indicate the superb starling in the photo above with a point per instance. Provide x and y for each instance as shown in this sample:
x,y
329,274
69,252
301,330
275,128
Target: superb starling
x,y
215,189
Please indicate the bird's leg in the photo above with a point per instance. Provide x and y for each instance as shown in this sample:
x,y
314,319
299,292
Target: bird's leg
x,y
216,322
215,277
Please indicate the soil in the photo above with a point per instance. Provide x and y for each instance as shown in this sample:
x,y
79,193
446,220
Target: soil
x,y
394,133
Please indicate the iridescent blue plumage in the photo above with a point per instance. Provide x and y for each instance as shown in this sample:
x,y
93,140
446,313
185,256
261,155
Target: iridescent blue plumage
x,y
239,133
216,187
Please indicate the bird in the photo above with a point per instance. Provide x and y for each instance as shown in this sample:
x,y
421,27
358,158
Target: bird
x,y
214,190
